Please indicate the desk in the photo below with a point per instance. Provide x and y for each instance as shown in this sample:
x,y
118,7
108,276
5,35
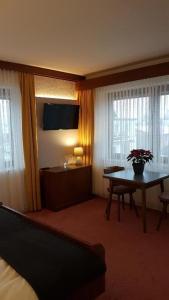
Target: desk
x,y
142,182
63,187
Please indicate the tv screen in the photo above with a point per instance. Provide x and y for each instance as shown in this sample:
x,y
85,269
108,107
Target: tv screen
x,y
60,116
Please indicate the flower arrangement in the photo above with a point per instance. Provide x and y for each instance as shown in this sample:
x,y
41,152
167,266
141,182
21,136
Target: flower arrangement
x,y
140,156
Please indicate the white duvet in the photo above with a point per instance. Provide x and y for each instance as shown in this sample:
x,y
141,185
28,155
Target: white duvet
x,y
13,286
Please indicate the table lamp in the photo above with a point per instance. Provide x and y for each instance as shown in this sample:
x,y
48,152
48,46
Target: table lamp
x,y
78,153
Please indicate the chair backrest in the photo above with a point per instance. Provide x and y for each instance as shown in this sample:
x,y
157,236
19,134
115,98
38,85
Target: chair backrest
x,y
113,169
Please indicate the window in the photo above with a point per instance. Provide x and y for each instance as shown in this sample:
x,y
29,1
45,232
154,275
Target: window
x,y
126,116
12,188
164,128
6,147
128,127
139,118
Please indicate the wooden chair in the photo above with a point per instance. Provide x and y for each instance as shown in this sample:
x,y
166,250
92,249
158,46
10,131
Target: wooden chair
x,y
164,199
120,191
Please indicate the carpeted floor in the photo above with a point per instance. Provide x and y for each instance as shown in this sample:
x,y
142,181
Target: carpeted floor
x,y
137,263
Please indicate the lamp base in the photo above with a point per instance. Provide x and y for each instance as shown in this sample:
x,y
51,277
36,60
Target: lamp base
x,y
79,160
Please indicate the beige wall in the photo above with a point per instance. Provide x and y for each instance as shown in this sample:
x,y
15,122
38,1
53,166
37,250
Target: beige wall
x,y
54,145
54,88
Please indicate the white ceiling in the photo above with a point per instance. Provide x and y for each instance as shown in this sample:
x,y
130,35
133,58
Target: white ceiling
x,y
83,36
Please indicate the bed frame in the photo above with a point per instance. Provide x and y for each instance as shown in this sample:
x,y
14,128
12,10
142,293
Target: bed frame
x,y
94,288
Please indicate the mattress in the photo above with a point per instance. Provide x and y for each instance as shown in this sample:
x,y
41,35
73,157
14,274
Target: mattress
x,y
12,285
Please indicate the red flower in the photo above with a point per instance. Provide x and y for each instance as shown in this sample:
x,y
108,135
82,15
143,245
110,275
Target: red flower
x,y
140,155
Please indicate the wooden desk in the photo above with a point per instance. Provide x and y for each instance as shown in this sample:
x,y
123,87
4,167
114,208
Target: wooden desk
x,y
142,182
63,187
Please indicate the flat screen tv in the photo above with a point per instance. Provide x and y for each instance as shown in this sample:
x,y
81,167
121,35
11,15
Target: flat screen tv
x,y
60,116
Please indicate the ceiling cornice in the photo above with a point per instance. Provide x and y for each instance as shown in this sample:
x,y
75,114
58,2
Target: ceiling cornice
x,y
40,71
155,70
130,66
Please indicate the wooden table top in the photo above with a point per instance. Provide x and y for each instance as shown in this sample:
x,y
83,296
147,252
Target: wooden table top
x,y
142,180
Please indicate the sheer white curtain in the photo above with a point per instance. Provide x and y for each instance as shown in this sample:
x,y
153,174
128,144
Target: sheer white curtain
x,y
101,131
11,147
129,116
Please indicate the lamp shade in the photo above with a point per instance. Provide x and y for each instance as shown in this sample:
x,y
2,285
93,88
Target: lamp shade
x,y
78,151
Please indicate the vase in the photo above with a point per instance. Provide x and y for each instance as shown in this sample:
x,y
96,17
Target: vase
x,y
138,168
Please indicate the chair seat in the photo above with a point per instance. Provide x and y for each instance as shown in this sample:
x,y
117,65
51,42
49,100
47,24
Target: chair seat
x,y
122,189
164,197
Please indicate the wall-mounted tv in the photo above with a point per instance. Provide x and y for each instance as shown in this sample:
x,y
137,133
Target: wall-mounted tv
x,y
60,116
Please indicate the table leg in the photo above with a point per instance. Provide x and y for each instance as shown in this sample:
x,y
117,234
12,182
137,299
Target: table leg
x,y
109,201
162,186
143,190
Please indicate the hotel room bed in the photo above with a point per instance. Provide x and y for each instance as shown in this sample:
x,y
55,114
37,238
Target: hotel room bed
x,y
38,262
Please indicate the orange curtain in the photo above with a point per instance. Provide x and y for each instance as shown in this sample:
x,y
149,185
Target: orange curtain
x,y
29,128
86,124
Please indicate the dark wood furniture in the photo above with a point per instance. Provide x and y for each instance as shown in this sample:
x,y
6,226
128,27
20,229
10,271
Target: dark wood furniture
x,y
164,199
127,177
63,187
90,290
120,191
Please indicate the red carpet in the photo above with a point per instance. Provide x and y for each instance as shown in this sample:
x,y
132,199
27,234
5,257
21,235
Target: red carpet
x,y
137,263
